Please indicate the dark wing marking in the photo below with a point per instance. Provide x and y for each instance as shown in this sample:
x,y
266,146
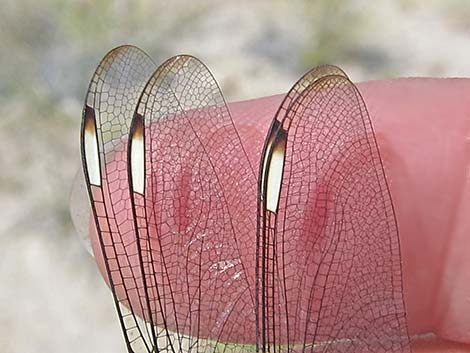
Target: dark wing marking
x,y
110,102
194,212
328,251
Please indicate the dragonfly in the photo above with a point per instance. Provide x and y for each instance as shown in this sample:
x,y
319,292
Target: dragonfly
x,y
205,250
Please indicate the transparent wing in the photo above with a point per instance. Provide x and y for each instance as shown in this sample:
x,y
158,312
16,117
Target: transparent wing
x,y
110,102
194,193
329,268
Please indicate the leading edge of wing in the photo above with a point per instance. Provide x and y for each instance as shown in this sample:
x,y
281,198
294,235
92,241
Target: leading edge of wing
x,y
303,84
109,104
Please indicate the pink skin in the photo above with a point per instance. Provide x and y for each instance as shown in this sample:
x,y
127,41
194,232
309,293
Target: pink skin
x,y
422,128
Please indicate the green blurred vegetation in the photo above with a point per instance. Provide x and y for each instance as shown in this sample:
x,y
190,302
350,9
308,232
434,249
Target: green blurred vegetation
x,y
48,52
334,31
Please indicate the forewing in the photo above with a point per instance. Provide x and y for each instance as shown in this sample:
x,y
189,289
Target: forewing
x,y
110,102
194,193
329,250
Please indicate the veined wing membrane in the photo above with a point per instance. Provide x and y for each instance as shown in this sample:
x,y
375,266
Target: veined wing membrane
x,y
269,184
306,81
110,102
194,192
329,250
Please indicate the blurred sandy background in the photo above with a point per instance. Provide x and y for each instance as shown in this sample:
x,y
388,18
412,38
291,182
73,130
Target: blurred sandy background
x,y
52,298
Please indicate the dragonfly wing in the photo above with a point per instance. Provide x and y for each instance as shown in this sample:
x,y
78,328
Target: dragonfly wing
x,y
194,192
329,268
110,102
